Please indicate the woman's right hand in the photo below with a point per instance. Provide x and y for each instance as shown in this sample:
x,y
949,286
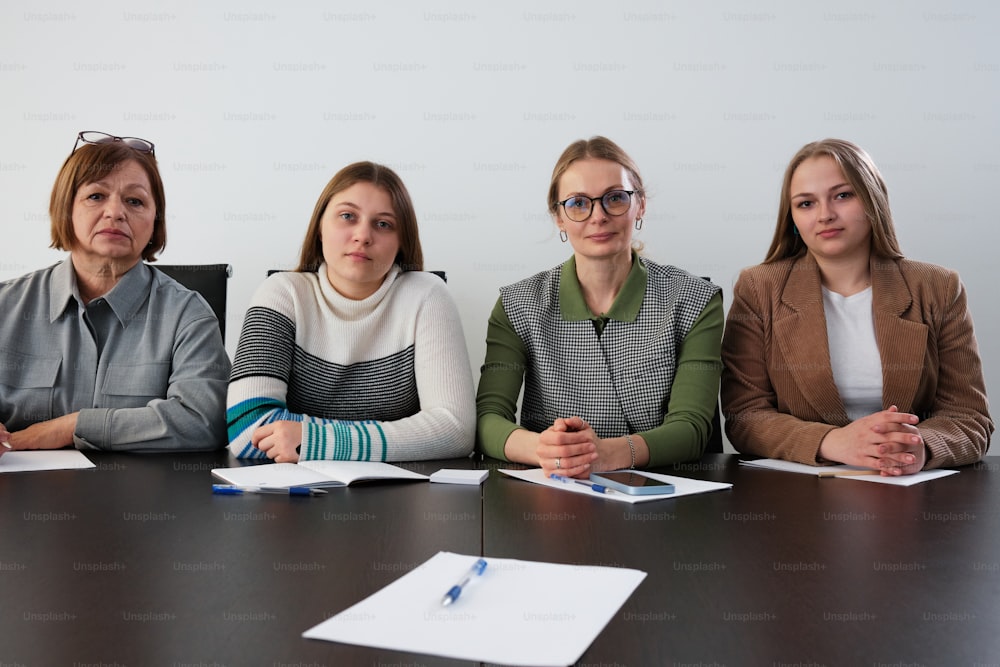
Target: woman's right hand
x,y
888,441
567,448
4,439
279,440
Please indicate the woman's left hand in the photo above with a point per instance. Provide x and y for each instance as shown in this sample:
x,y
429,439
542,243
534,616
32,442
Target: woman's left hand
x,y
279,440
900,458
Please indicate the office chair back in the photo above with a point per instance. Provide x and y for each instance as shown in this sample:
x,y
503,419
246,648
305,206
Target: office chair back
x,y
209,280
714,445
440,274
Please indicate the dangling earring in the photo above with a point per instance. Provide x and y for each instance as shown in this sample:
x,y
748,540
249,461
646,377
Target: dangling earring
x,y
795,230
638,224
563,236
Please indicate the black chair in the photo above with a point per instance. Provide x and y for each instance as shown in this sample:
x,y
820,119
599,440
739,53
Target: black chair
x,y
714,445
209,280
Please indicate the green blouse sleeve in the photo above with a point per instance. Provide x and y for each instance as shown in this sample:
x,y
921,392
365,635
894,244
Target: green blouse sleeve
x,y
500,380
695,392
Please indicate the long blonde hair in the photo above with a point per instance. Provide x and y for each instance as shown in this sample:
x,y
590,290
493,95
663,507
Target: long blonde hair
x,y
867,183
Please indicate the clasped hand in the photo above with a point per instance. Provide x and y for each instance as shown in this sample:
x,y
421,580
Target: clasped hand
x,y
569,447
888,441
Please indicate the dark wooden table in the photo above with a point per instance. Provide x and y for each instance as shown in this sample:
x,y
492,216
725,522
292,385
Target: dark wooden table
x,y
137,563
783,569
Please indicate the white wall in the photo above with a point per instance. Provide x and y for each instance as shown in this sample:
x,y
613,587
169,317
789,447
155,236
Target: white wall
x,y
253,106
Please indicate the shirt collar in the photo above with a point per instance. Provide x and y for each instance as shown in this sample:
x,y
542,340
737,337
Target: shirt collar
x,y
625,307
62,289
124,299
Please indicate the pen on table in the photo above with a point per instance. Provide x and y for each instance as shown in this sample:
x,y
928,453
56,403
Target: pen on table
x,y
598,488
456,590
847,473
234,490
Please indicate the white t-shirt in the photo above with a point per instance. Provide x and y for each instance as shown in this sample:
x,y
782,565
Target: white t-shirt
x,y
854,355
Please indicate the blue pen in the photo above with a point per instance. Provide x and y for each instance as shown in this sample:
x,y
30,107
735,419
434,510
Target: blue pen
x,y
233,490
598,488
456,590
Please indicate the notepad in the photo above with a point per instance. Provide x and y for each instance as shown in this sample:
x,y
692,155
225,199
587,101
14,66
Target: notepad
x,y
314,474
847,472
453,476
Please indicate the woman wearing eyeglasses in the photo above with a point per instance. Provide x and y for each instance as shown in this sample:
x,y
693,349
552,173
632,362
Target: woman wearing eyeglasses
x,y
618,355
838,348
100,351
358,354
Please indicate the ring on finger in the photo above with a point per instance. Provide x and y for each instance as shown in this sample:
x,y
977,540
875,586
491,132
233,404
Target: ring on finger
x,y
558,463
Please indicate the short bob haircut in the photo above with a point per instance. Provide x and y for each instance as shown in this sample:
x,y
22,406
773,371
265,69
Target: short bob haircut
x,y
89,164
409,257
867,183
597,148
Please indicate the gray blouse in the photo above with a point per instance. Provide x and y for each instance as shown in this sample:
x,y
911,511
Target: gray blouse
x,y
144,365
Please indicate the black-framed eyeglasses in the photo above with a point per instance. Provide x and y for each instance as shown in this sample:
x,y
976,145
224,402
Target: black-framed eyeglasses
x,y
579,208
92,137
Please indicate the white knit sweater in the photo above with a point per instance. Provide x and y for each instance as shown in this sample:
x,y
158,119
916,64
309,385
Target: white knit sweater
x,y
386,378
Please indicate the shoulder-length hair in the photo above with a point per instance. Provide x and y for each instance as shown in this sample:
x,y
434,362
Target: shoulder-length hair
x,y
89,164
410,257
867,183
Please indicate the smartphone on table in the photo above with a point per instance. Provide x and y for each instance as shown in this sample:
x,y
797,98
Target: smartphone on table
x,y
631,482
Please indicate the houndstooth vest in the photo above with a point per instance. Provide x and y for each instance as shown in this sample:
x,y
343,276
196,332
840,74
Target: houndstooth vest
x,y
618,382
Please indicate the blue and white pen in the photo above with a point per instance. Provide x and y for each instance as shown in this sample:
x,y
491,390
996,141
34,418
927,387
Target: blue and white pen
x,y
597,488
456,590
234,490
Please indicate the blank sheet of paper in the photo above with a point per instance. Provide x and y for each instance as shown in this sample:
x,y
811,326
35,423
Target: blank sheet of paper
x,y
683,486
517,613
44,459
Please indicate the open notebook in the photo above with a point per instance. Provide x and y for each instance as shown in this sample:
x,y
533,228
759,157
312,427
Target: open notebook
x,y
313,474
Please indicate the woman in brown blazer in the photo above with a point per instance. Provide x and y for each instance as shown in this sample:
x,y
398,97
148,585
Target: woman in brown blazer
x,y
809,376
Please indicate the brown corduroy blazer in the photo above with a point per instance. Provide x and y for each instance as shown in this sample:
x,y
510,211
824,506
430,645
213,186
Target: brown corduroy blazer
x,y
778,393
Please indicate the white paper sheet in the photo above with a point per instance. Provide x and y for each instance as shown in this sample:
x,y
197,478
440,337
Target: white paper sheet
x,y
682,486
845,472
517,613
44,459
904,480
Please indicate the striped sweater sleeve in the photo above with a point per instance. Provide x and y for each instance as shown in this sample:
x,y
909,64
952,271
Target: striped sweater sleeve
x,y
259,380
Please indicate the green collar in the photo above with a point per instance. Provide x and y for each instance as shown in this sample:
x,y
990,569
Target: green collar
x,y
626,305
